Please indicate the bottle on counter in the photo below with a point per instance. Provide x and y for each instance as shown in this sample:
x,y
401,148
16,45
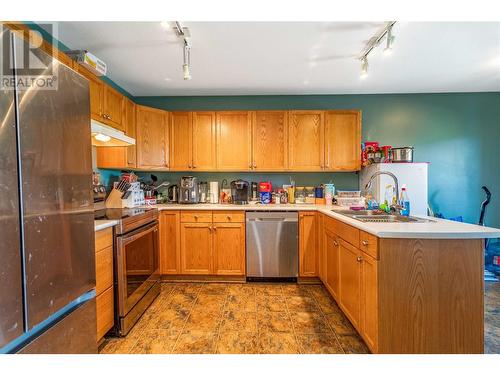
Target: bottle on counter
x,y
404,201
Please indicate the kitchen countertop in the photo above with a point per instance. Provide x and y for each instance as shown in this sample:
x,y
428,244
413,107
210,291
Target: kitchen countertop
x,y
436,229
103,224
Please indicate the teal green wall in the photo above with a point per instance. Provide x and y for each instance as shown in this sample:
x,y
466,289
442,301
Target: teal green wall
x,y
456,133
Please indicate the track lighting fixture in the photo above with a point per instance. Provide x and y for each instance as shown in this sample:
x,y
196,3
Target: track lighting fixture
x,y
374,42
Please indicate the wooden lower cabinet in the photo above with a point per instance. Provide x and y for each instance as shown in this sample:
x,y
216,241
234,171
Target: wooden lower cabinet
x,y
308,244
229,248
196,248
105,312
350,281
369,302
170,252
192,243
332,248
104,282
403,295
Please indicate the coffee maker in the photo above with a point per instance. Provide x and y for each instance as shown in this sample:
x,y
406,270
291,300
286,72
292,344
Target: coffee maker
x,y
239,191
189,190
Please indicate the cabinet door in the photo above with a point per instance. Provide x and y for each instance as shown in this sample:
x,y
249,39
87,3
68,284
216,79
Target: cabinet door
x,y
130,130
180,141
114,108
343,140
269,146
204,142
105,312
350,281
196,248
308,244
170,247
120,157
305,140
321,248
152,138
229,249
332,249
369,302
234,132
96,90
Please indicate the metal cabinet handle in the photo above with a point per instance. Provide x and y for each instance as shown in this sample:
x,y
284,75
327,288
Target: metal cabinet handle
x,y
254,165
228,217
196,217
250,166
359,259
364,243
210,229
335,243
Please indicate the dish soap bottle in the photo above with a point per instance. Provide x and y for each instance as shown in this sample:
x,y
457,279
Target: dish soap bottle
x,y
405,201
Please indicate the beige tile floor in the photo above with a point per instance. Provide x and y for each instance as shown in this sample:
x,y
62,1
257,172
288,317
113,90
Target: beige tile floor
x,y
240,318
257,318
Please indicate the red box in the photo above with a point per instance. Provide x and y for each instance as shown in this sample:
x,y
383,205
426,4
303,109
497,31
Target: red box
x,y
265,187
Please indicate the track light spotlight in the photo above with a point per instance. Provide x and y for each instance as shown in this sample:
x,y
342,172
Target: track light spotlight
x,y
364,67
389,41
187,61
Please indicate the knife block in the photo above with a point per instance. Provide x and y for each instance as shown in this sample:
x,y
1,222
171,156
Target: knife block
x,y
115,200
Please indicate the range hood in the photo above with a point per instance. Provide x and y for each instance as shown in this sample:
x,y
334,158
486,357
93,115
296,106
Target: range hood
x,y
103,135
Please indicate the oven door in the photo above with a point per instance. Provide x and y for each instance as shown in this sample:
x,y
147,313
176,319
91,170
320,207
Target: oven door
x,y
137,265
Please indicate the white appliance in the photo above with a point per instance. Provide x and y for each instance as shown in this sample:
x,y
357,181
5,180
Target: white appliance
x,y
413,175
89,61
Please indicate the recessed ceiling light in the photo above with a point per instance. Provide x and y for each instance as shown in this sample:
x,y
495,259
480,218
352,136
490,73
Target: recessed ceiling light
x,y
168,79
165,24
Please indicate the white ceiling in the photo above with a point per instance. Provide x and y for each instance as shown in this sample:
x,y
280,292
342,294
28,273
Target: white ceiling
x,y
257,58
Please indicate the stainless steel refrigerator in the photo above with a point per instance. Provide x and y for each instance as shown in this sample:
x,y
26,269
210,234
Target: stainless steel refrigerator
x,y
47,269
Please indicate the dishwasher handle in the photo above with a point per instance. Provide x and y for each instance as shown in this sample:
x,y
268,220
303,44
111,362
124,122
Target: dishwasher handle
x,y
279,219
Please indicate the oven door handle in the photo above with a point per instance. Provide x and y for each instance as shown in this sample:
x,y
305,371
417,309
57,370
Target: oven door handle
x,y
140,232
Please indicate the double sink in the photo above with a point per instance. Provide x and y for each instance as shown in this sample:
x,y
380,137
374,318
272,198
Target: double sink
x,y
368,216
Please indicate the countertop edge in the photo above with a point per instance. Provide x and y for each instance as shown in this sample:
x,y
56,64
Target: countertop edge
x,y
417,231
103,224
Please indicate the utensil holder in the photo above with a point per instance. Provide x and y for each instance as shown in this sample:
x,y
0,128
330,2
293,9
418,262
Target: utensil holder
x,y
115,200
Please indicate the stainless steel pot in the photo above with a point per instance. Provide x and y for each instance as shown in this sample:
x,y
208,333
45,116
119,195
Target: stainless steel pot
x,y
402,155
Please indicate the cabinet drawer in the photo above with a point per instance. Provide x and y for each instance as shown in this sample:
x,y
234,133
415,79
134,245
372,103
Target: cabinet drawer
x,y
368,243
104,312
103,239
229,216
196,217
103,270
347,233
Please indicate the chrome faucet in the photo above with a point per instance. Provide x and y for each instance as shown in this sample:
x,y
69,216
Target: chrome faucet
x,y
394,207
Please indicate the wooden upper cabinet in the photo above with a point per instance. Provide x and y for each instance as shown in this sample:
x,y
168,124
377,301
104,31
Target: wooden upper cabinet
x,y
152,138
234,140
131,131
269,136
308,244
306,140
342,140
204,140
180,141
123,156
96,90
113,111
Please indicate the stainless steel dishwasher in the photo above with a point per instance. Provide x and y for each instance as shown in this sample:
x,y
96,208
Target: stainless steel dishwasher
x,y
272,245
